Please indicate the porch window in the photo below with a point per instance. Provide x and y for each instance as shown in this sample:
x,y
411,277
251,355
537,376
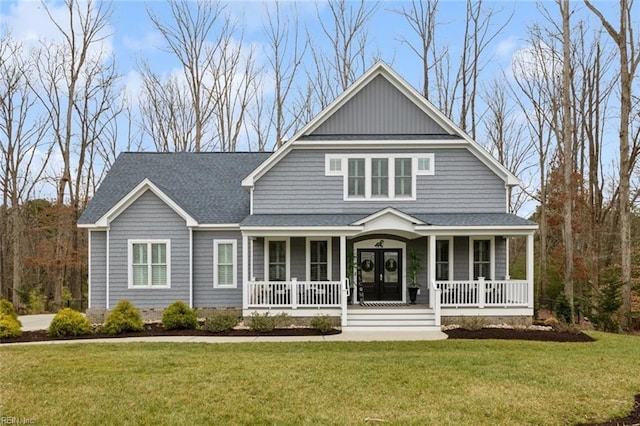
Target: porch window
x,y
356,177
481,259
442,260
319,260
225,263
278,260
403,177
380,177
149,263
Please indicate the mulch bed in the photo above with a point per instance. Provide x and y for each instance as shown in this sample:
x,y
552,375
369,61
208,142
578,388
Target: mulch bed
x,y
154,329
516,334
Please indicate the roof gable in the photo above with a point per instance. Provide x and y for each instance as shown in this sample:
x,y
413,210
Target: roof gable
x,y
316,130
379,109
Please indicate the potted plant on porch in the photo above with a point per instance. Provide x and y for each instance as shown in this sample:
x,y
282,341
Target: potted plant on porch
x,y
413,269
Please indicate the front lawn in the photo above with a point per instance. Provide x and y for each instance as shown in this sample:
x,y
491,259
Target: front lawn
x,y
443,382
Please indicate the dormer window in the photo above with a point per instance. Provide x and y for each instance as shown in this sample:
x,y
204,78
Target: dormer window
x,y
372,177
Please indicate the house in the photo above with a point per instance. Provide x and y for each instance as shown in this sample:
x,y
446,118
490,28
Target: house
x,y
331,223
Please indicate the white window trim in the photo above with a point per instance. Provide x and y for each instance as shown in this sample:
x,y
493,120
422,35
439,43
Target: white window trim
x,y
287,245
234,249
451,259
130,244
492,254
308,257
344,173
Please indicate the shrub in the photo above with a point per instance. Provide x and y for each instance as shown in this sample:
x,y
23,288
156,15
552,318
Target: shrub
x,y
322,323
37,301
7,308
473,323
68,322
266,323
178,315
551,322
124,318
219,322
607,304
9,326
563,309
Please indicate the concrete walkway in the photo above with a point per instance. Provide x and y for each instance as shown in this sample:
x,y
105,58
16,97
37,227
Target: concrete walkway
x,y
41,322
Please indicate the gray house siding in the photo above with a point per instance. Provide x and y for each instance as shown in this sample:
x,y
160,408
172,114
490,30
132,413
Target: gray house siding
x,y
98,267
420,245
298,250
148,218
501,258
379,109
258,259
298,185
461,258
204,295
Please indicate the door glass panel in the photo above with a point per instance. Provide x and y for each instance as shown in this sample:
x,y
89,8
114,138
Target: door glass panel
x,y
391,263
368,266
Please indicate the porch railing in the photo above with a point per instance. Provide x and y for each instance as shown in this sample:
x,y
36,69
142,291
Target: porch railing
x,y
483,293
294,294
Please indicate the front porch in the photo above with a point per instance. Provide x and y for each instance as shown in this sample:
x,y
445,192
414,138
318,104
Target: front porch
x,y
309,270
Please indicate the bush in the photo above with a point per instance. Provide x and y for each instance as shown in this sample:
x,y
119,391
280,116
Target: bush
x,y
563,309
68,322
473,323
608,302
7,308
124,318
9,326
266,323
552,322
219,322
178,315
322,323
37,301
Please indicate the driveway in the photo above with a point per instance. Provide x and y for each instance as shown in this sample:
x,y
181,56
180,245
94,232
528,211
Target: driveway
x,y
35,322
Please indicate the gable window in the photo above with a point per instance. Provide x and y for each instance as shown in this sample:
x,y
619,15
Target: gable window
x,y
149,262
442,260
356,177
379,177
225,264
370,177
277,265
403,177
319,260
481,259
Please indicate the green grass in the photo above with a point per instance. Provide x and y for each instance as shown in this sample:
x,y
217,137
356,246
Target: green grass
x,y
445,382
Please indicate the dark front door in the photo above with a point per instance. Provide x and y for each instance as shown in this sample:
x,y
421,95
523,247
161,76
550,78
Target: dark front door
x,y
380,273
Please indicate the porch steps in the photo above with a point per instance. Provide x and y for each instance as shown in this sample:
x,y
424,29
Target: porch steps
x,y
405,318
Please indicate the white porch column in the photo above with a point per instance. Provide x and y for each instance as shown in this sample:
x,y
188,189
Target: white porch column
x,y
343,279
431,276
506,248
530,260
245,271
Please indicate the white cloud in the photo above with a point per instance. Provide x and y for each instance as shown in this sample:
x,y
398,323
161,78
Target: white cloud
x,y
506,47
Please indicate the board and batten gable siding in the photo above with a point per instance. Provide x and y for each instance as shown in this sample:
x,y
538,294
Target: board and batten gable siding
x,y
148,218
204,295
98,278
379,109
297,185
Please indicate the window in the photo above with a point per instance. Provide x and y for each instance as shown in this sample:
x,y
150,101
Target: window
x,y
442,260
369,177
225,265
277,265
319,255
149,263
403,177
356,177
379,177
481,259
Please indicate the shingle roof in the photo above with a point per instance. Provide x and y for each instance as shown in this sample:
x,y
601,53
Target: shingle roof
x,y
434,219
206,185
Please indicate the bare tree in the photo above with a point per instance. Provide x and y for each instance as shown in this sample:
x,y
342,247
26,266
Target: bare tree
x,y
628,50
24,155
67,74
421,17
347,33
191,38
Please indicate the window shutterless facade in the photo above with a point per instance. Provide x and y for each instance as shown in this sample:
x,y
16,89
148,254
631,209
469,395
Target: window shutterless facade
x,y
442,260
278,260
372,177
225,264
481,259
149,264
319,258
